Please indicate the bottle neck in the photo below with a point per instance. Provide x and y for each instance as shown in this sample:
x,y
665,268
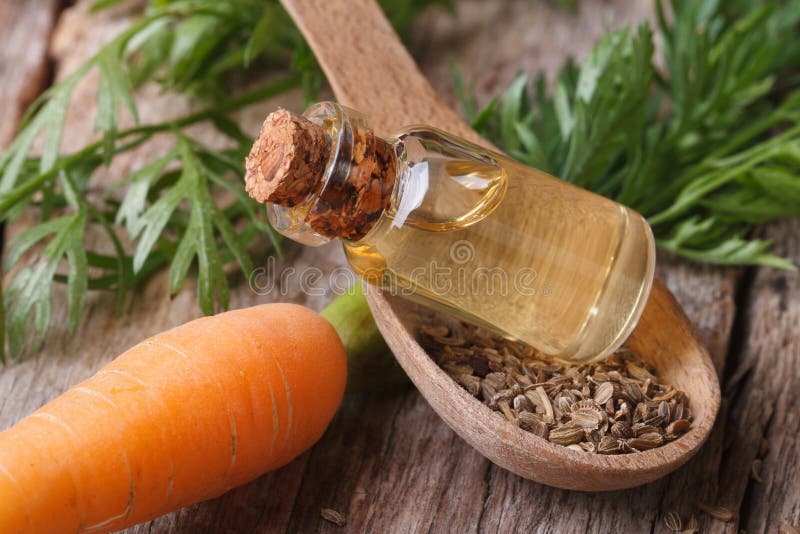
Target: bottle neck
x,y
358,182
353,190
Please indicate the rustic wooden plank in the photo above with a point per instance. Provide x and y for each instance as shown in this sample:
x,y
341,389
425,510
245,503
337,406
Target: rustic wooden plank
x,y
708,295
25,28
387,462
419,483
766,397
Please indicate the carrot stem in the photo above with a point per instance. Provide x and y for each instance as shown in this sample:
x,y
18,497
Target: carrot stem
x,y
370,364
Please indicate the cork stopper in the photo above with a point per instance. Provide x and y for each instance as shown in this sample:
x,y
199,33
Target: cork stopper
x,y
289,166
350,204
287,160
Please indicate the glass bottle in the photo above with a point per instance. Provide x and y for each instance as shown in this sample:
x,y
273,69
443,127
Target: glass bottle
x,y
473,233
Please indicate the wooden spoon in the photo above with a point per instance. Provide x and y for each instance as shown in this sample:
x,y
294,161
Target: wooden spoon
x,y
371,71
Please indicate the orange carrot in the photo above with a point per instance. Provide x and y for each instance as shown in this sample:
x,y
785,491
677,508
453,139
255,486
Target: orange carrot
x,y
181,417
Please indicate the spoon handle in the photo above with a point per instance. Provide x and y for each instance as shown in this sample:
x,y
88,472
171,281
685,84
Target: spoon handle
x,y
369,68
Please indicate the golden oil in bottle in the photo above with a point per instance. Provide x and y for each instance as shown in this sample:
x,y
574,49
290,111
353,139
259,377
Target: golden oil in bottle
x,y
490,240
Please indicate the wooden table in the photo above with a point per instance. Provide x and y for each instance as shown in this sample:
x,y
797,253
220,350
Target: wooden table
x,y
387,462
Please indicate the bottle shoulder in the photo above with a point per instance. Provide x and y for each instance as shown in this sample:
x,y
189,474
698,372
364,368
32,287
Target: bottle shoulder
x,y
419,139
445,183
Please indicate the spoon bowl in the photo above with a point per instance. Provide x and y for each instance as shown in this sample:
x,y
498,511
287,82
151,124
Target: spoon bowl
x,y
673,351
370,70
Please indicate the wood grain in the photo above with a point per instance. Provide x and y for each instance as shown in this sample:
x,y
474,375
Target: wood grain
x,y
26,27
387,461
766,399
